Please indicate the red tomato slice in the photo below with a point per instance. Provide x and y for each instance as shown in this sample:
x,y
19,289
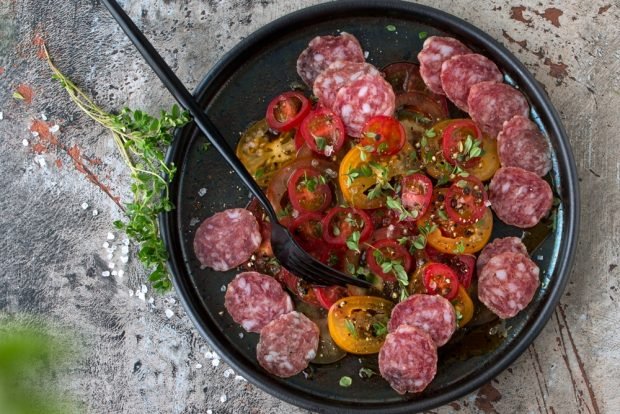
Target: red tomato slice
x,y
461,143
323,131
463,265
308,191
328,295
384,134
404,77
299,287
341,222
307,230
386,251
417,192
299,139
421,103
466,200
286,111
439,279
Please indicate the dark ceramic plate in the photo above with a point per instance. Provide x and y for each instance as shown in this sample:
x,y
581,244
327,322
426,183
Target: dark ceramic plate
x,y
236,92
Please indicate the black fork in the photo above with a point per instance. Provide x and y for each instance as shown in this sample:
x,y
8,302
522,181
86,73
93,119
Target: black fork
x,y
286,250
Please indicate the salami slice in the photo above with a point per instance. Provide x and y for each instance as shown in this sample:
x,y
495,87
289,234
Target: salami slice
x,y
433,314
408,359
435,51
325,50
253,300
362,99
491,104
287,344
519,198
337,75
497,246
227,239
507,283
460,73
521,144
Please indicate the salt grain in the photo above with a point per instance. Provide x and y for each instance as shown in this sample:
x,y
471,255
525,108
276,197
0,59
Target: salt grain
x,y
126,242
35,134
110,256
140,295
143,289
241,335
223,398
151,300
223,288
105,273
198,366
43,117
124,259
95,212
125,249
110,236
215,362
228,373
130,293
106,245
239,378
121,273
209,411
114,273
169,313
202,192
25,142
1,116
111,265
84,206
54,129
209,355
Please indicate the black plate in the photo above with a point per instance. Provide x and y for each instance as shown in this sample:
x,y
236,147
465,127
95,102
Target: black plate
x,y
236,92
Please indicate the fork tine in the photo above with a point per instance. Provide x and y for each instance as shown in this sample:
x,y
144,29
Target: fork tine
x,y
323,272
308,272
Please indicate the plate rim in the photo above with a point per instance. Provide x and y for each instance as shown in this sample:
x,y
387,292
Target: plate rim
x,y
187,296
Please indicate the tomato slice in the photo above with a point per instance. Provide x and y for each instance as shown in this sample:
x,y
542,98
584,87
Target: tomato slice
x,y
463,306
404,77
328,295
417,191
286,111
488,163
462,143
440,279
341,223
358,324
299,287
307,230
384,255
308,191
462,264
383,134
466,200
323,131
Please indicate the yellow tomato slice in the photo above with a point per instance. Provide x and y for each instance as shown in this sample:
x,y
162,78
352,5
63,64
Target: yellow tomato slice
x,y
463,306
263,153
480,235
489,162
358,324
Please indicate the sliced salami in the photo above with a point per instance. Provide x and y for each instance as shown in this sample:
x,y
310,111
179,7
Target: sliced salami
x,y
408,359
325,50
432,313
287,344
521,144
507,283
460,73
435,51
253,300
491,104
519,198
362,99
497,246
227,239
337,75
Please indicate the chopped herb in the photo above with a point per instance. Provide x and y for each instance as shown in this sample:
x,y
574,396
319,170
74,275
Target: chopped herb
x,y
375,192
459,248
379,329
336,230
459,317
404,294
345,381
390,28
321,143
396,205
403,240
333,259
419,242
353,241
286,211
423,142
366,373
310,183
205,147
422,35
442,214
350,327
383,147
259,173
18,96
430,133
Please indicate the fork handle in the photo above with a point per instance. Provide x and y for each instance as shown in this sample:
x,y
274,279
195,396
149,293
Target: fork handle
x,y
187,101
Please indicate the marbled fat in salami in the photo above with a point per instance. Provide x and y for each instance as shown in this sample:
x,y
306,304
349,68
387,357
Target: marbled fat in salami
x,y
432,313
287,344
435,51
362,99
497,246
253,300
521,144
507,283
408,359
519,198
460,73
227,239
337,75
325,50
491,104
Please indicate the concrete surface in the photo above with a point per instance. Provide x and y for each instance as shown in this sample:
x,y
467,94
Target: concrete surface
x,y
137,359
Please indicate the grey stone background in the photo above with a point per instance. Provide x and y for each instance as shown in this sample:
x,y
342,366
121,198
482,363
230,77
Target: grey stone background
x,y
141,352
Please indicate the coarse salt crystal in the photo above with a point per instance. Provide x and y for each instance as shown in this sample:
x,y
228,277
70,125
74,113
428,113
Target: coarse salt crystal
x,y
209,355
209,411
125,249
130,293
126,242
105,273
151,300
198,366
540,257
110,236
43,117
40,161
124,259
84,206
239,378
25,142
215,362
228,373
110,256
143,289
121,273
223,288
202,192
35,134
111,265
95,212
106,245
114,272
241,335
1,116
223,398
54,129
140,295
169,313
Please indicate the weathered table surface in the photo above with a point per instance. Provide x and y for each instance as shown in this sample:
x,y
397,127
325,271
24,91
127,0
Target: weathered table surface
x,y
143,354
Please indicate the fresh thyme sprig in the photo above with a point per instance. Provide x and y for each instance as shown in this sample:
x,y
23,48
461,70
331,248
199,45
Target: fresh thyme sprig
x,y
142,141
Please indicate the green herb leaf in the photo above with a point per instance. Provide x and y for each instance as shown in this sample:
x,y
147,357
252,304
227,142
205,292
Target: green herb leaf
x,y
18,96
366,373
353,241
321,143
422,35
350,327
345,381
390,28
379,329
459,247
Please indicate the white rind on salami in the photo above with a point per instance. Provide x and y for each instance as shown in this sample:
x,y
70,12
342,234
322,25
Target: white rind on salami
x,y
227,239
287,344
362,99
337,75
433,314
253,300
325,50
507,283
408,359
521,144
491,104
460,73
497,246
519,198
435,51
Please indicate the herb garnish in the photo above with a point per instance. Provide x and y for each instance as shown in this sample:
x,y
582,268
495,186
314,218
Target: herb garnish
x,y
350,327
379,329
321,143
353,241
345,381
